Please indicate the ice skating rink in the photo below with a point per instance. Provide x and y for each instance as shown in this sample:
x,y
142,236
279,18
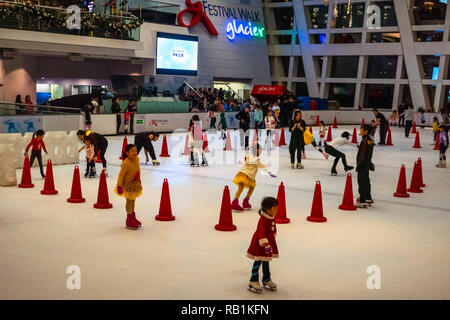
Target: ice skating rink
x,y
407,238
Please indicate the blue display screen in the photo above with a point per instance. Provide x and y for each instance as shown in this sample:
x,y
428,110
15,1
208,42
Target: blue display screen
x,y
435,73
176,54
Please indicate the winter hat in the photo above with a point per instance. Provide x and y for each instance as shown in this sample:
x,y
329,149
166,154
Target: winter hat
x,y
345,134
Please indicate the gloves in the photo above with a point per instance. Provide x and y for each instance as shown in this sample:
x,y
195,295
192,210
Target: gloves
x,y
119,190
268,250
372,167
272,175
155,162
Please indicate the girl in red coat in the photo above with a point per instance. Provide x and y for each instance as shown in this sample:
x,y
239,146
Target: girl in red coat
x,y
37,144
263,246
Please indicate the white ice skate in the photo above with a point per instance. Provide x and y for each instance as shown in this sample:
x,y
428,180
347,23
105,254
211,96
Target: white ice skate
x,y
270,285
300,166
361,205
255,287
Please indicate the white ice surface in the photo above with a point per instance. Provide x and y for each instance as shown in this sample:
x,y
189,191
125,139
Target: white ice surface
x,y
408,238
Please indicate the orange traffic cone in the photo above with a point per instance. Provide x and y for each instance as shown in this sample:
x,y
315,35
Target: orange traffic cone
x,y
317,122
414,187
49,184
281,214
347,200
417,141
102,196
124,145
310,129
164,149
226,217
99,158
317,209
228,143
255,138
437,143
419,169
354,136
414,127
76,195
282,140
335,123
26,174
187,150
389,138
205,143
363,122
401,185
329,138
165,209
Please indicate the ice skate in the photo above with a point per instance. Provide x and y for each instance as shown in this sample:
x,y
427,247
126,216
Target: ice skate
x,y
131,223
254,286
133,214
361,205
293,165
348,168
246,204
204,162
235,205
270,285
440,164
299,166
334,173
92,174
369,202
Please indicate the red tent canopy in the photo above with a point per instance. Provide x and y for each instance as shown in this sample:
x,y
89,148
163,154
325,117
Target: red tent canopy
x,y
268,92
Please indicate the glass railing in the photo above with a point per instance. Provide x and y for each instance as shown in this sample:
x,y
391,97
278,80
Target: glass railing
x,y
154,11
30,17
12,109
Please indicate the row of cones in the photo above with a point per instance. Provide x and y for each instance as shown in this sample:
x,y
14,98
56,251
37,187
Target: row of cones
x,y
334,122
76,196
416,181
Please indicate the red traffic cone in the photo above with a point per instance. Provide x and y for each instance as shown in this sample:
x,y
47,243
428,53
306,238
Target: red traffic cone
x,y
76,195
437,143
335,123
317,209
329,138
389,138
165,209
226,217
99,158
414,127
282,140
187,150
277,138
228,143
281,214
26,174
417,141
419,169
49,184
363,122
310,129
205,143
124,145
401,185
317,122
102,196
354,136
347,200
164,149
414,187
255,137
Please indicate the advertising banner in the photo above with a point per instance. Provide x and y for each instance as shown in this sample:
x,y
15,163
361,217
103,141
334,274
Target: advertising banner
x,y
20,124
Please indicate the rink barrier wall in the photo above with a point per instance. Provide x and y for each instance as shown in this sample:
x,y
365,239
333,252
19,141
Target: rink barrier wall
x,y
167,122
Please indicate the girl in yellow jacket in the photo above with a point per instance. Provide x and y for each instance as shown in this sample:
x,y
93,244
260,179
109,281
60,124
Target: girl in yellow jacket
x,y
245,178
129,184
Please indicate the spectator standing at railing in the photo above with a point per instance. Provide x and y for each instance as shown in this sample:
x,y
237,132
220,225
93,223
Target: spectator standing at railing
x,y
132,109
29,105
19,104
115,108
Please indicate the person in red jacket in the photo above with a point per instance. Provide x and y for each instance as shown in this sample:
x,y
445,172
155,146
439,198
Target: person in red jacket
x,y
37,144
263,246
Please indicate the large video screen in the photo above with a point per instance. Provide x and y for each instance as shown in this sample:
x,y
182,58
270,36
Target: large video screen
x,y
176,54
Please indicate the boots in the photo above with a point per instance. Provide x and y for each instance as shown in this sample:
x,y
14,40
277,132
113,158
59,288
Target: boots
x,y
441,164
92,173
246,204
133,216
299,165
235,205
254,287
293,165
131,223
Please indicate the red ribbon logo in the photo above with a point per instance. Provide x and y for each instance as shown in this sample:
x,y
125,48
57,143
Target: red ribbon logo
x,y
198,15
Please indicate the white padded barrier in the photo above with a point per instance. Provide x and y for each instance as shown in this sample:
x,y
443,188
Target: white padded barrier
x,y
16,140
7,168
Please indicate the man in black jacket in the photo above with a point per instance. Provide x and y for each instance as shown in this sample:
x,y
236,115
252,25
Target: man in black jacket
x,y
364,164
383,123
144,140
244,125
115,108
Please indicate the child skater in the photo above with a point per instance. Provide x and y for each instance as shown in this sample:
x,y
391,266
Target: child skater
x,y
126,120
364,164
331,149
263,246
196,142
90,163
436,129
322,131
246,176
129,184
37,143
443,145
223,125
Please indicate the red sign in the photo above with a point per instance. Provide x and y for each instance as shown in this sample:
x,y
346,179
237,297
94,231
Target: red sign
x,y
196,10
268,90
